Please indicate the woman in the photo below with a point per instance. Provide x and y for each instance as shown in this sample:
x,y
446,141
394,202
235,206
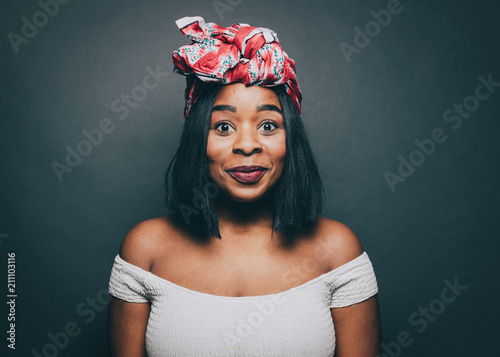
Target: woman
x,y
244,266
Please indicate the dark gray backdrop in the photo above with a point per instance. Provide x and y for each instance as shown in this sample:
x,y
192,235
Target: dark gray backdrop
x,y
363,110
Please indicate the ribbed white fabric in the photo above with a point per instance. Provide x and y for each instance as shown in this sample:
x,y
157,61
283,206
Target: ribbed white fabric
x,y
295,322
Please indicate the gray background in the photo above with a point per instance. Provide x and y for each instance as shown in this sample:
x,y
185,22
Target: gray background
x,y
439,224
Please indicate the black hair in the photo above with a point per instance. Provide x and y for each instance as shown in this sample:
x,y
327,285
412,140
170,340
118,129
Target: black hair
x,y
189,188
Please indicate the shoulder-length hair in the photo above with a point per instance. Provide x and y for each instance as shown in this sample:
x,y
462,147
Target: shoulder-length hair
x,y
190,190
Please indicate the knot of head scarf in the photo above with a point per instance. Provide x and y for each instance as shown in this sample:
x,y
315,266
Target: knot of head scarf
x,y
240,53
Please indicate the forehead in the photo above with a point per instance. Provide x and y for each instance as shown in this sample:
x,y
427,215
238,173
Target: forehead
x,y
237,94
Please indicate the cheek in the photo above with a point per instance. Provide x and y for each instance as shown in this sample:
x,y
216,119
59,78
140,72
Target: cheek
x,y
278,150
212,149
217,152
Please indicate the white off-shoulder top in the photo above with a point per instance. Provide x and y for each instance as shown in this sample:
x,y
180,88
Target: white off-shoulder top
x,y
295,322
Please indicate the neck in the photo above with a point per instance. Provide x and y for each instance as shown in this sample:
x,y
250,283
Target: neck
x,y
245,218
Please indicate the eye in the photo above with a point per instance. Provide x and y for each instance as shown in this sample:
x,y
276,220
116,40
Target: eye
x,y
223,128
269,126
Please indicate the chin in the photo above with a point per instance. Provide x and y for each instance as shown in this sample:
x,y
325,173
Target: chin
x,y
239,196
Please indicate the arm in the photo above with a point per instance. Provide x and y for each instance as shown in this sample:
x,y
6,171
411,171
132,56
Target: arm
x,y
127,321
357,327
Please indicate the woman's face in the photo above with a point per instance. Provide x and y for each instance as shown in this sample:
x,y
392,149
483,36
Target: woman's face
x,y
246,129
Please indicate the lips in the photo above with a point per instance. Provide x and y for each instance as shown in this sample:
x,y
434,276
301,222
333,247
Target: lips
x,y
247,168
247,174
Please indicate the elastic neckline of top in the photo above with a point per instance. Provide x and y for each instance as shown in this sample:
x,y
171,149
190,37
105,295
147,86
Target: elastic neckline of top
x,y
199,293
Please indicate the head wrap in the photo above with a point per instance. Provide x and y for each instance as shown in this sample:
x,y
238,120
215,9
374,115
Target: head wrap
x,y
240,53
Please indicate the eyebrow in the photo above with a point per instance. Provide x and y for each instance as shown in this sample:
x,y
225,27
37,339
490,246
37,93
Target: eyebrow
x,y
223,107
270,107
260,108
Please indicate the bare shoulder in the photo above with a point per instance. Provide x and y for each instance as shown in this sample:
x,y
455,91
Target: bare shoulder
x,y
339,243
145,240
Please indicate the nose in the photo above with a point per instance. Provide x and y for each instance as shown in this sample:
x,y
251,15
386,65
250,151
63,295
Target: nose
x,y
247,142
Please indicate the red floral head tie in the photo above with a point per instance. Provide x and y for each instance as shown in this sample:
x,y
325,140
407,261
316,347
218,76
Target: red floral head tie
x,y
240,53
